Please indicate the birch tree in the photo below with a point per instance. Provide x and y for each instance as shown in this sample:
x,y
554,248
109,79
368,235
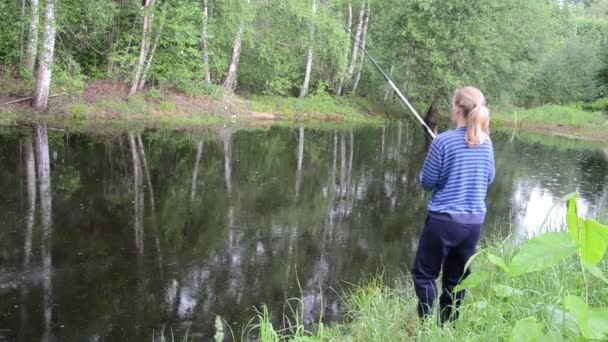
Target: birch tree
x,y
144,45
142,81
363,45
32,43
204,43
230,81
355,54
306,85
45,64
349,28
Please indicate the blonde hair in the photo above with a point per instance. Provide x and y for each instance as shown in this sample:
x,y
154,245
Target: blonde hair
x,y
472,102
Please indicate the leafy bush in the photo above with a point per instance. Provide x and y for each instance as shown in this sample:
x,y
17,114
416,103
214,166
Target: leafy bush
x,y
599,105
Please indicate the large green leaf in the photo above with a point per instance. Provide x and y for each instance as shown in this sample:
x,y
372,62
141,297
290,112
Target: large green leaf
x,y
527,330
572,218
562,320
594,241
542,252
593,323
498,261
472,281
596,272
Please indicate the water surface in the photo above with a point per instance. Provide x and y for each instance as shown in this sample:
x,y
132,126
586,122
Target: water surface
x,y
140,231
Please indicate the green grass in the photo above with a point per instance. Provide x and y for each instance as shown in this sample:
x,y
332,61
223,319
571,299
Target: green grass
x,y
316,107
572,116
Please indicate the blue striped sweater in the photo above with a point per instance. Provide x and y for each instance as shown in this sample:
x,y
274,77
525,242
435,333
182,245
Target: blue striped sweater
x,y
458,176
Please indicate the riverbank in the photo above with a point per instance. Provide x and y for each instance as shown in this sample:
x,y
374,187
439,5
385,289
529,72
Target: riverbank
x,y
556,120
105,102
547,303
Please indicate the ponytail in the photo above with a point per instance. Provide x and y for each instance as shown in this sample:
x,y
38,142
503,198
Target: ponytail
x,y
476,114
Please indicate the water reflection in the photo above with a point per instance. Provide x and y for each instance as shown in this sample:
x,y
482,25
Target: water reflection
x,y
170,229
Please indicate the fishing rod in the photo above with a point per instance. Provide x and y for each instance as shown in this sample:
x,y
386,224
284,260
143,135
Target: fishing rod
x,y
388,79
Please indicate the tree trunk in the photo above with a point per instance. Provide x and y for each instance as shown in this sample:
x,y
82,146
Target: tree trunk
x,y
230,82
22,34
32,43
204,42
311,41
46,225
349,27
363,45
355,55
142,81
45,64
144,46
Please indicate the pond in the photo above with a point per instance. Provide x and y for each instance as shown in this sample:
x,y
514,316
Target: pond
x,y
126,234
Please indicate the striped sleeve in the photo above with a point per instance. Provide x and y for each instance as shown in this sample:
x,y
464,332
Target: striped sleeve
x,y
429,177
492,172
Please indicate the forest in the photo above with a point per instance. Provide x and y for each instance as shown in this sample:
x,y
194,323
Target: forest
x,y
521,53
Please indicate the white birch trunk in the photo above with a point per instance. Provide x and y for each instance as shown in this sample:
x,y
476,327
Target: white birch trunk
x,y
230,82
32,43
355,55
311,41
363,45
45,64
204,43
144,46
350,30
142,81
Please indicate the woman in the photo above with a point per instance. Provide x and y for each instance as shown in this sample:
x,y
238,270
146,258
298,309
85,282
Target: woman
x,y
458,170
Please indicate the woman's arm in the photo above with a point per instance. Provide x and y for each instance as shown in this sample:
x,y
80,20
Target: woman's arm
x,y
492,173
429,177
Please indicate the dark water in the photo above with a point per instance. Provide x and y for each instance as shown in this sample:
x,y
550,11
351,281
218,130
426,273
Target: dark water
x,y
143,231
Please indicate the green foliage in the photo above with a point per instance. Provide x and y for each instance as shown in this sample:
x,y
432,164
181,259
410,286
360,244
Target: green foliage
x,y
528,330
77,110
592,322
598,105
542,252
567,75
198,89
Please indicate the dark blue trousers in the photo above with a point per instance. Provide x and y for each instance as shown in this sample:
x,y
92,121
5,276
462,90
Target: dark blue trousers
x,y
446,245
